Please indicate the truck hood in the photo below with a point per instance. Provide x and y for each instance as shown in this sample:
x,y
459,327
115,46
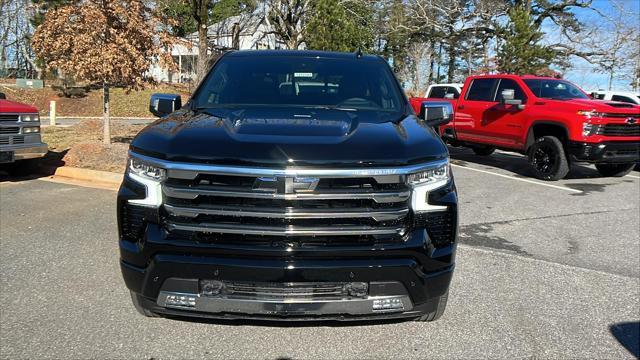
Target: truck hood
x,y
281,137
599,105
7,106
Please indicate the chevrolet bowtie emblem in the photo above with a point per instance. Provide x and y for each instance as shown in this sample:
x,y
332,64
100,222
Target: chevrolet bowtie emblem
x,y
286,185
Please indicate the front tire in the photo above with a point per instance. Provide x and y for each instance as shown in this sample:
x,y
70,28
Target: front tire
x,y
483,150
548,159
615,170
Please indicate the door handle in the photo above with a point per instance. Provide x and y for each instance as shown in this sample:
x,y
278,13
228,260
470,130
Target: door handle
x,y
460,107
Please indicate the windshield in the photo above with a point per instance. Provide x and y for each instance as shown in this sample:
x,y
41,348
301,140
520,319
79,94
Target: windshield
x,y
345,84
555,89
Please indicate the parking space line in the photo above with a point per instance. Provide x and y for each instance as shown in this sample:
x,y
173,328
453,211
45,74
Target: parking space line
x,y
523,180
633,176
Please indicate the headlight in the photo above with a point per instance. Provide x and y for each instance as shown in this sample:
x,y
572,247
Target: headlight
x,y
31,129
151,177
139,167
29,118
589,114
426,181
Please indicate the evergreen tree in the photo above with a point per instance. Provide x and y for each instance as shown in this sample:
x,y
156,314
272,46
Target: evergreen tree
x,y
521,51
340,26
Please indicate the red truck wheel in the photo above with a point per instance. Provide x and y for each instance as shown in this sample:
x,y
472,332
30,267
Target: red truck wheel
x,y
547,159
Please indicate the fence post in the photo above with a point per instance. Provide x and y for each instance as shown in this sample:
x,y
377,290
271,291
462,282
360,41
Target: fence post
x,y
52,113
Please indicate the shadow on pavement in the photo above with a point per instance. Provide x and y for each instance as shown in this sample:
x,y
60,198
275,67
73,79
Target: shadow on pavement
x,y
628,335
515,163
32,169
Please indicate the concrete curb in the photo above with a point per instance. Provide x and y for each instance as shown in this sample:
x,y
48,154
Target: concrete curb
x,y
103,177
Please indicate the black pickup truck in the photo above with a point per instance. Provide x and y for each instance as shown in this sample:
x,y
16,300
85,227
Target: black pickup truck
x,y
293,185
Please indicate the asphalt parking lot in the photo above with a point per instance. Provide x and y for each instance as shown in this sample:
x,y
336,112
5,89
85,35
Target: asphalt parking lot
x,y
544,270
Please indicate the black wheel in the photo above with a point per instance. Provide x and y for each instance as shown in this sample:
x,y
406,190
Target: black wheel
x,y
137,303
442,305
547,159
483,150
615,170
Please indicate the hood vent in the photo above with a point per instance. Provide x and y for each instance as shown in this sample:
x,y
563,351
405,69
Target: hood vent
x,y
620,105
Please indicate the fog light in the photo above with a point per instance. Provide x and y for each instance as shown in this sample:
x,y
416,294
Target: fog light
x,y
211,287
357,289
181,300
388,304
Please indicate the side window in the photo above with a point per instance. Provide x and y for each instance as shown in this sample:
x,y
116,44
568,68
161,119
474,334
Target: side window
x,y
437,92
622,99
510,84
482,90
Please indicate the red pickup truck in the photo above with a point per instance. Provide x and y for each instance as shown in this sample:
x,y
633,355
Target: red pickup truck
x,y
552,121
19,132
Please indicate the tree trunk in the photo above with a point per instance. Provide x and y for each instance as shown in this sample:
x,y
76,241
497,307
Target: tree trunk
x,y
106,136
451,67
610,79
202,20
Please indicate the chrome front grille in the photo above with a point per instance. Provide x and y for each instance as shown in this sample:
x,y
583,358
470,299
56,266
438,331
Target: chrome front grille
x,y
326,209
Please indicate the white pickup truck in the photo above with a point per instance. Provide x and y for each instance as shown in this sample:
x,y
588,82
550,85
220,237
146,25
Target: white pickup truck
x,y
444,91
622,96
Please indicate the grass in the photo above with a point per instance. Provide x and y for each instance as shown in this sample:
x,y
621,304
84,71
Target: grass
x,y
81,145
123,104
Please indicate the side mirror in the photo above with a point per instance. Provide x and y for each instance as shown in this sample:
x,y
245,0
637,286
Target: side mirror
x,y
164,104
436,113
449,96
508,97
3,96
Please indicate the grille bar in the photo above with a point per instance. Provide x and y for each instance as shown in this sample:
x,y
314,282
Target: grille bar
x,y
619,130
288,213
242,229
286,290
9,130
619,116
9,117
192,193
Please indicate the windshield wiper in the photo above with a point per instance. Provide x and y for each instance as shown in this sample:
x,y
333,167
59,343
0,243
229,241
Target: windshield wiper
x,y
327,107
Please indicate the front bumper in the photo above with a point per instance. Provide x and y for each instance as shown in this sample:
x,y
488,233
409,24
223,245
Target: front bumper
x,y
26,151
419,272
605,152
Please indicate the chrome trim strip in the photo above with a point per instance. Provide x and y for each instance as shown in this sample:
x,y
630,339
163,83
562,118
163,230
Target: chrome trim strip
x,y
192,193
238,211
190,170
243,229
290,307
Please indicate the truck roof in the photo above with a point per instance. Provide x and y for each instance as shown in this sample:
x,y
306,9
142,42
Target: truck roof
x,y
513,76
302,53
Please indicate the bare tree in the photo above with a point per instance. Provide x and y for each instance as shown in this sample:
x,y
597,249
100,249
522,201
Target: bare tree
x,y
15,33
610,42
289,20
